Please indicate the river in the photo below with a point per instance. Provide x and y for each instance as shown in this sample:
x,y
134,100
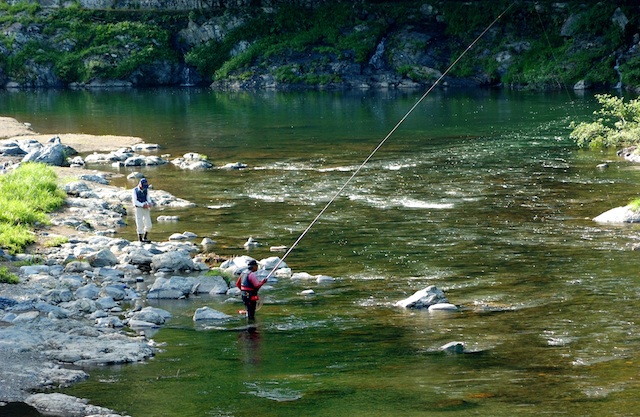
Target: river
x,y
480,193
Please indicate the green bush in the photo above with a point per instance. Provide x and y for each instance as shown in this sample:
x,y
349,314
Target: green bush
x,y
617,124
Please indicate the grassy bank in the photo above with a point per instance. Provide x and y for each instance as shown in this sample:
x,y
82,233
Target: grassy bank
x,y
26,196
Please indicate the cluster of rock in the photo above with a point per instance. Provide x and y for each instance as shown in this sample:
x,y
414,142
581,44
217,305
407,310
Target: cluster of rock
x,y
55,153
74,301
31,150
96,206
430,298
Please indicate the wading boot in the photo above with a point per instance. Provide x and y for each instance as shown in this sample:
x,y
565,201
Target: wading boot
x,y
140,238
144,238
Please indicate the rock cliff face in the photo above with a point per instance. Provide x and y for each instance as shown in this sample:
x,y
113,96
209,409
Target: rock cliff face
x,y
294,44
175,5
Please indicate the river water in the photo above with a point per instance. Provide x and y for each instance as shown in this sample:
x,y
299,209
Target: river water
x,y
480,193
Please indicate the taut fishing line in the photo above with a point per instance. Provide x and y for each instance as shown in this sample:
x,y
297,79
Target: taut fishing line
x,y
382,142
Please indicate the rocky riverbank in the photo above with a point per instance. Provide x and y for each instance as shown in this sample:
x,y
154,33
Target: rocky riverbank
x,y
81,303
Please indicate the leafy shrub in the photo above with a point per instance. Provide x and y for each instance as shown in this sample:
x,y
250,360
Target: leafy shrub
x,y
617,124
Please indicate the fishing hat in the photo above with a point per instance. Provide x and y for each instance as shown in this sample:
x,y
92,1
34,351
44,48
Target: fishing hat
x,y
252,262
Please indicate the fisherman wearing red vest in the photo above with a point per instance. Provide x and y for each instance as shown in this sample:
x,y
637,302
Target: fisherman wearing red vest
x,y
249,284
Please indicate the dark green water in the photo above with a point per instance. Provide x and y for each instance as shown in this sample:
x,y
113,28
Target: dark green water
x,y
479,193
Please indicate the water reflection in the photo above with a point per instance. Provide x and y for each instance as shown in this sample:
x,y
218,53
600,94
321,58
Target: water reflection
x,y
250,345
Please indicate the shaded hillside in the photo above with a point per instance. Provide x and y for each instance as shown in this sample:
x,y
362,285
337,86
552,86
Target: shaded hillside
x,y
325,44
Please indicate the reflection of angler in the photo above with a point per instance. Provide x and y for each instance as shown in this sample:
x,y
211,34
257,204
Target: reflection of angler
x,y
250,341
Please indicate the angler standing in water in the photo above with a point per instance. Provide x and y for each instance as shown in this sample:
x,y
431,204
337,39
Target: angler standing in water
x,y
142,204
249,284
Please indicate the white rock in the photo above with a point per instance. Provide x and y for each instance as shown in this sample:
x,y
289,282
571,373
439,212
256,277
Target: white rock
x,y
251,243
271,262
302,275
283,273
424,298
453,347
178,236
443,307
164,219
207,242
324,279
619,215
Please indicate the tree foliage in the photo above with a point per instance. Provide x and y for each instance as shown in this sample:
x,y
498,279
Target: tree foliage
x,y
617,123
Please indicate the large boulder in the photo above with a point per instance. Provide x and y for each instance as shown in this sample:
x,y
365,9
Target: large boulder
x,y
51,154
139,257
207,284
172,288
90,291
103,257
172,261
10,148
152,315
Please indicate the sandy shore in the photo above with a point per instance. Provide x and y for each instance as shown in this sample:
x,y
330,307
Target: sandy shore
x,y
12,129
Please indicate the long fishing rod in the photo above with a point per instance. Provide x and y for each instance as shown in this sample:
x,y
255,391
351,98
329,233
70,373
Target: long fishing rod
x,y
382,142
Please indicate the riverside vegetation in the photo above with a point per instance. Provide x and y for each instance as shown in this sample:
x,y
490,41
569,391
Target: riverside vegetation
x,y
616,125
27,194
535,45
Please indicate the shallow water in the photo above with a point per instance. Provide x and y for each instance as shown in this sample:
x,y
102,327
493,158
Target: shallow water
x,y
480,193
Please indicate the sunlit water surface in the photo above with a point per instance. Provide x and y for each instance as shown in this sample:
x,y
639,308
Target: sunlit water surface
x,y
480,193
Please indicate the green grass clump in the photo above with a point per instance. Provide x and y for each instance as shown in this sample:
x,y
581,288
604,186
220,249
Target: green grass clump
x,y
7,277
56,242
26,196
